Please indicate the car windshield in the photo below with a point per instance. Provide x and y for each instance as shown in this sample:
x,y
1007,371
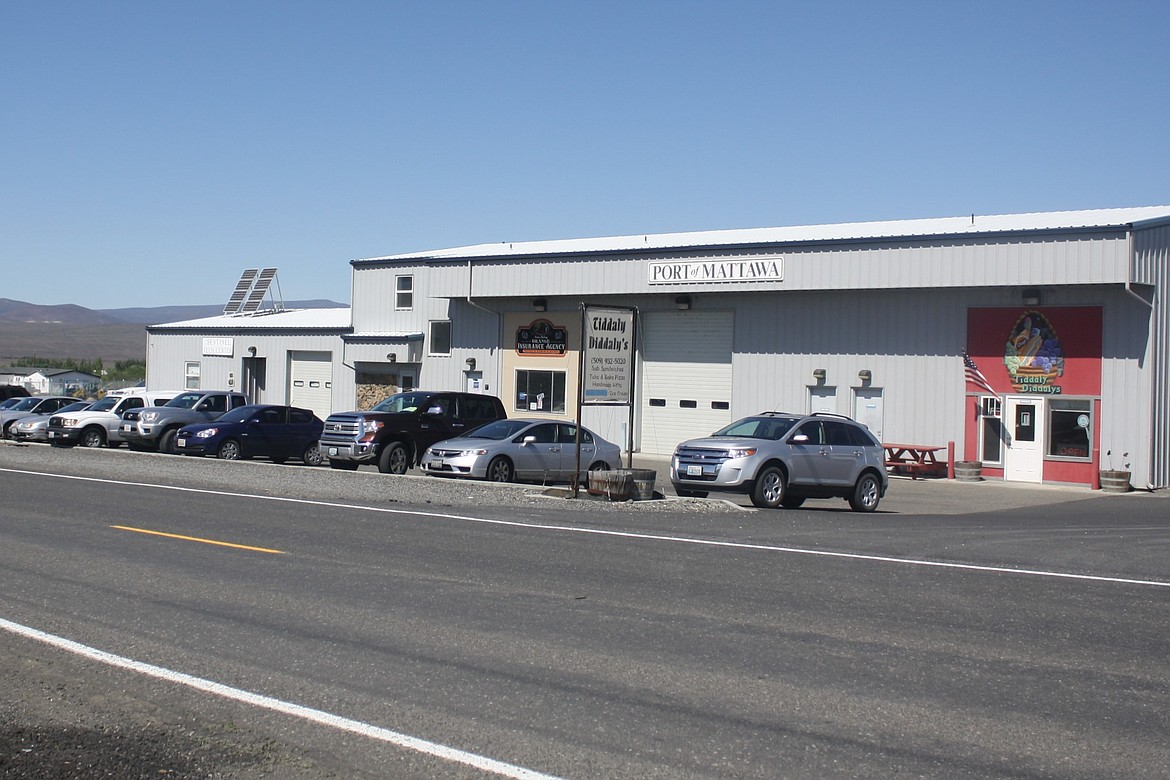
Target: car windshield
x,y
77,407
184,401
239,414
772,428
403,402
26,404
106,404
500,429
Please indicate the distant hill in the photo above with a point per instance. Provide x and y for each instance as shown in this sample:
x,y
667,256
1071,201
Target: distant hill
x,y
68,331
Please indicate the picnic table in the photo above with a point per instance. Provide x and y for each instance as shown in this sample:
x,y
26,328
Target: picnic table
x,y
914,459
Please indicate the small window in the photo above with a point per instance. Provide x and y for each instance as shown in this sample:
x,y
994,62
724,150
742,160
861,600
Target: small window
x,y
540,391
441,337
687,404
191,375
658,402
403,292
721,405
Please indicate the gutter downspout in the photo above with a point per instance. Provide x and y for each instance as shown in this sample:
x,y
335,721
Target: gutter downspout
x,y
1153,348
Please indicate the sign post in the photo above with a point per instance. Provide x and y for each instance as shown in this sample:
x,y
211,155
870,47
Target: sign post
x,y
607,368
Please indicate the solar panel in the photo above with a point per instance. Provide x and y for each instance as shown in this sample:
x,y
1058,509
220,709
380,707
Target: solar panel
x,y
241,291
259,290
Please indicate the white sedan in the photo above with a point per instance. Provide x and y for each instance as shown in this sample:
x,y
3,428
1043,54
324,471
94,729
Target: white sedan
x,y
521,449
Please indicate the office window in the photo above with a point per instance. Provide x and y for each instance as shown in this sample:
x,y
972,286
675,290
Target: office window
x,y
403,292
191,375
1070,426
440,337
540,391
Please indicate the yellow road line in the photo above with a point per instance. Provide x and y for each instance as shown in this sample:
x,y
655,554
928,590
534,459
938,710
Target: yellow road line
x,y
197,539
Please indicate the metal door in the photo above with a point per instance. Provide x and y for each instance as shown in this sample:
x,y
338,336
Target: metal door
x,y
868,409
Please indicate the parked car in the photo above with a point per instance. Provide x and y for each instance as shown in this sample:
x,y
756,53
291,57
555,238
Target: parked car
x,y
33,405
780,459
12,401
36,427
98,426
521,449
395,433
266,430
155,428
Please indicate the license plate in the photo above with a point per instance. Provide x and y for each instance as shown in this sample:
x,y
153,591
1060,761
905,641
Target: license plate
x,y
52,434
437,463
694,471
332,451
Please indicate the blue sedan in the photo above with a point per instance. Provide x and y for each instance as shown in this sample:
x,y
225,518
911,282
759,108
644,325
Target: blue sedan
x,y
266,430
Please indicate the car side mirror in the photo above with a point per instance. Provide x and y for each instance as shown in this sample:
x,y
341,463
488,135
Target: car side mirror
x,y
528,440
800,438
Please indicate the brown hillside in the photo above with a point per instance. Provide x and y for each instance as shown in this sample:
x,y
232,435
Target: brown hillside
x,y
123,341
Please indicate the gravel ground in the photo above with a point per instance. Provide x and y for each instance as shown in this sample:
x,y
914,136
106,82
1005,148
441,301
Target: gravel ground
x,y
63,717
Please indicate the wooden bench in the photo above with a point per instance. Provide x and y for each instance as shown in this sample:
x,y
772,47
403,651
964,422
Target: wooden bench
x,y
915,459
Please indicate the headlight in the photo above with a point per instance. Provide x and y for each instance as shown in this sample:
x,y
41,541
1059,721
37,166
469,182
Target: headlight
x,y
741,452
148,416
369,428
471,453
206,433
68,422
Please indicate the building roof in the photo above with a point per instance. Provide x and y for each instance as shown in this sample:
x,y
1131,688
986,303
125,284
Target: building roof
x,y
291,319
971,224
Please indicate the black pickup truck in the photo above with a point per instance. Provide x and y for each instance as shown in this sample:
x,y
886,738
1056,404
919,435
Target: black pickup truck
x,y
395,433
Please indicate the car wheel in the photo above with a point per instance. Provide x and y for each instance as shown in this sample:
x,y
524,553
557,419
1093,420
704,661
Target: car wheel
x,y
770,487
312,455
394,459
343,465
500,470
166,442
866,493
229,450
792,502
93,437
690,493
600,465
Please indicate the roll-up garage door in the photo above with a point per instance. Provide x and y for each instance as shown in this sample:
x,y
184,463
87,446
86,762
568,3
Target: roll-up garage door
x,y
311,382
686,376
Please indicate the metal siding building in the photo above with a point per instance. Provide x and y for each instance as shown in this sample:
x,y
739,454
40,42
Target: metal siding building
x,y
1064,312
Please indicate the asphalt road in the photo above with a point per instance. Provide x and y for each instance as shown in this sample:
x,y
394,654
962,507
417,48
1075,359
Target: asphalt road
x,y
808,643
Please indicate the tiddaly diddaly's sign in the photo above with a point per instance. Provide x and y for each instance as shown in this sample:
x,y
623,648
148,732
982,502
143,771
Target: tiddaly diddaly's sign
x,y
1033,355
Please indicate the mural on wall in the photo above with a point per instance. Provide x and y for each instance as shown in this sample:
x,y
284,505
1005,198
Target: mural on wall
x,y
1033,355
542,337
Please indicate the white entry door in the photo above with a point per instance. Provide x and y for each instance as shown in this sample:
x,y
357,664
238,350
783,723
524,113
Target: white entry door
x,y
867,409
1024,457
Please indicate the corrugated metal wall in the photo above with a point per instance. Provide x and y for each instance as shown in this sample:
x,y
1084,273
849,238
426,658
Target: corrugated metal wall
x,y
1152,267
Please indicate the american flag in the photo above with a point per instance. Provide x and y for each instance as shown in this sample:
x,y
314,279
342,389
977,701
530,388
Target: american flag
x,y
973,374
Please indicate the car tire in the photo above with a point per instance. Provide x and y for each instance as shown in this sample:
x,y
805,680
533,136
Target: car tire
x,y
600,465
682,493
394,458
166,442
229,450
93,437
792,502
866,493
770,488
312,455
343,465
500,470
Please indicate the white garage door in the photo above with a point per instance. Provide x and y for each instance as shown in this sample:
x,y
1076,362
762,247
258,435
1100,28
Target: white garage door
x,y
686,377
311,382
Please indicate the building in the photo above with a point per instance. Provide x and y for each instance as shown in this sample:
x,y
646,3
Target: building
x,y
1062,319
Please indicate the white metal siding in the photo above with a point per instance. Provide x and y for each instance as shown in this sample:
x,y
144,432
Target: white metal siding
x,y
686,357
311,382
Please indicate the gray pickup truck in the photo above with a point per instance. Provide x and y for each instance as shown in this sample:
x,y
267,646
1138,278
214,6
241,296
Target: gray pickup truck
x,y
155,428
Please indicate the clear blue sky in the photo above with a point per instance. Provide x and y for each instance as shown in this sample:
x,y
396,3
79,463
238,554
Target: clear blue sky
x,y
153,150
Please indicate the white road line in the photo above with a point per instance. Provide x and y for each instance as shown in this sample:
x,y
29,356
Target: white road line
x,y
305,713
627,534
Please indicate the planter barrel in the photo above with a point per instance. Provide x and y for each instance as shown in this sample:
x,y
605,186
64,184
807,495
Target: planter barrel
x,y
1115,482
623,484
968,471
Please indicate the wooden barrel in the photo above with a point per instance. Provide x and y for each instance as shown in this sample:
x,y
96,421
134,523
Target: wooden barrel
x,y
1115,482
967,471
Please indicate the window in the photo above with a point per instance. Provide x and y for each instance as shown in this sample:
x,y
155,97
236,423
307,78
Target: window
x,y
1070,425
441,337
540,391
990,429
191,375
403,292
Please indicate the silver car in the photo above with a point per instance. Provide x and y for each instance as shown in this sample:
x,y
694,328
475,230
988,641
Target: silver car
x,y
27,407
780,459
521,449
36,427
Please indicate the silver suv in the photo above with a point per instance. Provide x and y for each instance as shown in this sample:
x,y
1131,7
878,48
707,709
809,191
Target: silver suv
x,y
780,459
